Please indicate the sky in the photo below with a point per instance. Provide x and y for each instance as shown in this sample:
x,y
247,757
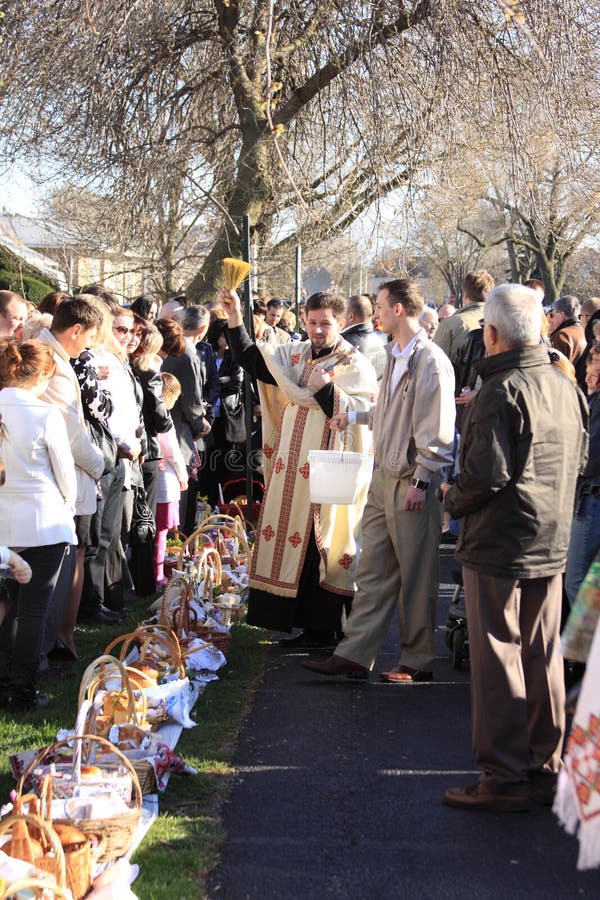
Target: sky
x,y
18,194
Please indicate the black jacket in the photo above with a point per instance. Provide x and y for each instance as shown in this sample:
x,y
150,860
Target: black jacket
x,y
370,342
188,412
211,387
469,352
154,412
524,443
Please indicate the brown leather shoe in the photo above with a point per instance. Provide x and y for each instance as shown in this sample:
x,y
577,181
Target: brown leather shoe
x,y
337,665
509,798
405,675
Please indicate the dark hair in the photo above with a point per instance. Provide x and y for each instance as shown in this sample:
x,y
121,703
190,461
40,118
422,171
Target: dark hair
x,y
275,304
141,323
142,306
477,285
20,362
216,328
406,292
361,306
52,301
76,312
107,298
327,300
172,335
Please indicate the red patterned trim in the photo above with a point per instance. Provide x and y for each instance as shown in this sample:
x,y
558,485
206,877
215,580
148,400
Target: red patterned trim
x,y
583,753
298,426
336,590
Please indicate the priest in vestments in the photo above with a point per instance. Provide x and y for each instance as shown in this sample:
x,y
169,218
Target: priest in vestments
x,y
306,554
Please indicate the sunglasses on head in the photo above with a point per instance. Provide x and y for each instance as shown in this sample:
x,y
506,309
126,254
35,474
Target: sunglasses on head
x,y
122,329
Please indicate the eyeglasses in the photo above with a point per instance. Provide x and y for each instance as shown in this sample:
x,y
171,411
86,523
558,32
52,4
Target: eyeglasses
x,y
122,329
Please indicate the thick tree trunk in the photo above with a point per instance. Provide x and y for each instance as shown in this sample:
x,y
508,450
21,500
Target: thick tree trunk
x,y
249,196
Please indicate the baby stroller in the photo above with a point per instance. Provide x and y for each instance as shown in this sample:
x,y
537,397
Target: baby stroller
x,y
457,635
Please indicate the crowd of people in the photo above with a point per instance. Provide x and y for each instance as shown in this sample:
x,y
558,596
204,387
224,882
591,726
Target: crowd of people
x,y
116,419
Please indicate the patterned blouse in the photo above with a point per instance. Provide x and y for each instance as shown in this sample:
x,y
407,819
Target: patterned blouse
x,y
97,403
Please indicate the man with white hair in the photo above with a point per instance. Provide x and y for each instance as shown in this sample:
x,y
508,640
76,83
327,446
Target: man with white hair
x,y
524,441
429,321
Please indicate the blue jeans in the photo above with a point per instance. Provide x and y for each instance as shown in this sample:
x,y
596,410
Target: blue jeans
x,y
584,543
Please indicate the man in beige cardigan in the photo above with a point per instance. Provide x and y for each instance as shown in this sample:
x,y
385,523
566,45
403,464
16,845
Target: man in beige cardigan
x,y
453,330
413,435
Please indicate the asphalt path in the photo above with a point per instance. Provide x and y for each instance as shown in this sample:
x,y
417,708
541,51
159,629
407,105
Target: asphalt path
x,y
338,794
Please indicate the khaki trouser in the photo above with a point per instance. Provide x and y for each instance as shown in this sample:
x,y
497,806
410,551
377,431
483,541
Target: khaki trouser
x,y
398,569
517,681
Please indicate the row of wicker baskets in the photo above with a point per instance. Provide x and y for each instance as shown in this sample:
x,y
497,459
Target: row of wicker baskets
x,y
113,692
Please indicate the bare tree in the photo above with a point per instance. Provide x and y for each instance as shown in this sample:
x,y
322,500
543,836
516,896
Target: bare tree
x,y
298,114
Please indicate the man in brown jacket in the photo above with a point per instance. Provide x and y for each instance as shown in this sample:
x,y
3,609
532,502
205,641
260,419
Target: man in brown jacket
x,y
566,332
524,441
413,434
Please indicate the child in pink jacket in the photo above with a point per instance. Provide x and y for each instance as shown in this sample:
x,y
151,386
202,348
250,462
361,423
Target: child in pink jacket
x,y
172,479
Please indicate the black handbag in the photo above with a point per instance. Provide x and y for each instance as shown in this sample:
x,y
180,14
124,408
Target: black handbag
x,y
232,410
143,526
103,439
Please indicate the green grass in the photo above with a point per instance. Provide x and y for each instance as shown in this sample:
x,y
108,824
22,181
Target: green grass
x,y
189,825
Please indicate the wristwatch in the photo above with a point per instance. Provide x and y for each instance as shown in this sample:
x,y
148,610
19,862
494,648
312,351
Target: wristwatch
x,y
420,485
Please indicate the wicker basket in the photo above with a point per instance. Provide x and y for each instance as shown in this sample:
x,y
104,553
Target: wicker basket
x,y
78,860
219,639
117,832
158,646
23,827
223,527
120,705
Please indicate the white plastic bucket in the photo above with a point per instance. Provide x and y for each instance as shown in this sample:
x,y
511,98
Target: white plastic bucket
x,y
337,476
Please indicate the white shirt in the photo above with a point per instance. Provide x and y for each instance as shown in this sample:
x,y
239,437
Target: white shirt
x,y
401,358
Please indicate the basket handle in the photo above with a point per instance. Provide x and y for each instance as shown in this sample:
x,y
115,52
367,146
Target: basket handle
x,y
93,676
80,738
126,640
49,834
170,638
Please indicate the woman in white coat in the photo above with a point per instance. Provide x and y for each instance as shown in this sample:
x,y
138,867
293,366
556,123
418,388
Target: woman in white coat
x,y
36,510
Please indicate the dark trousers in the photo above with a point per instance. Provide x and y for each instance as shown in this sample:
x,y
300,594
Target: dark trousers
x,y
141,564
60,599
23,627
105,523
